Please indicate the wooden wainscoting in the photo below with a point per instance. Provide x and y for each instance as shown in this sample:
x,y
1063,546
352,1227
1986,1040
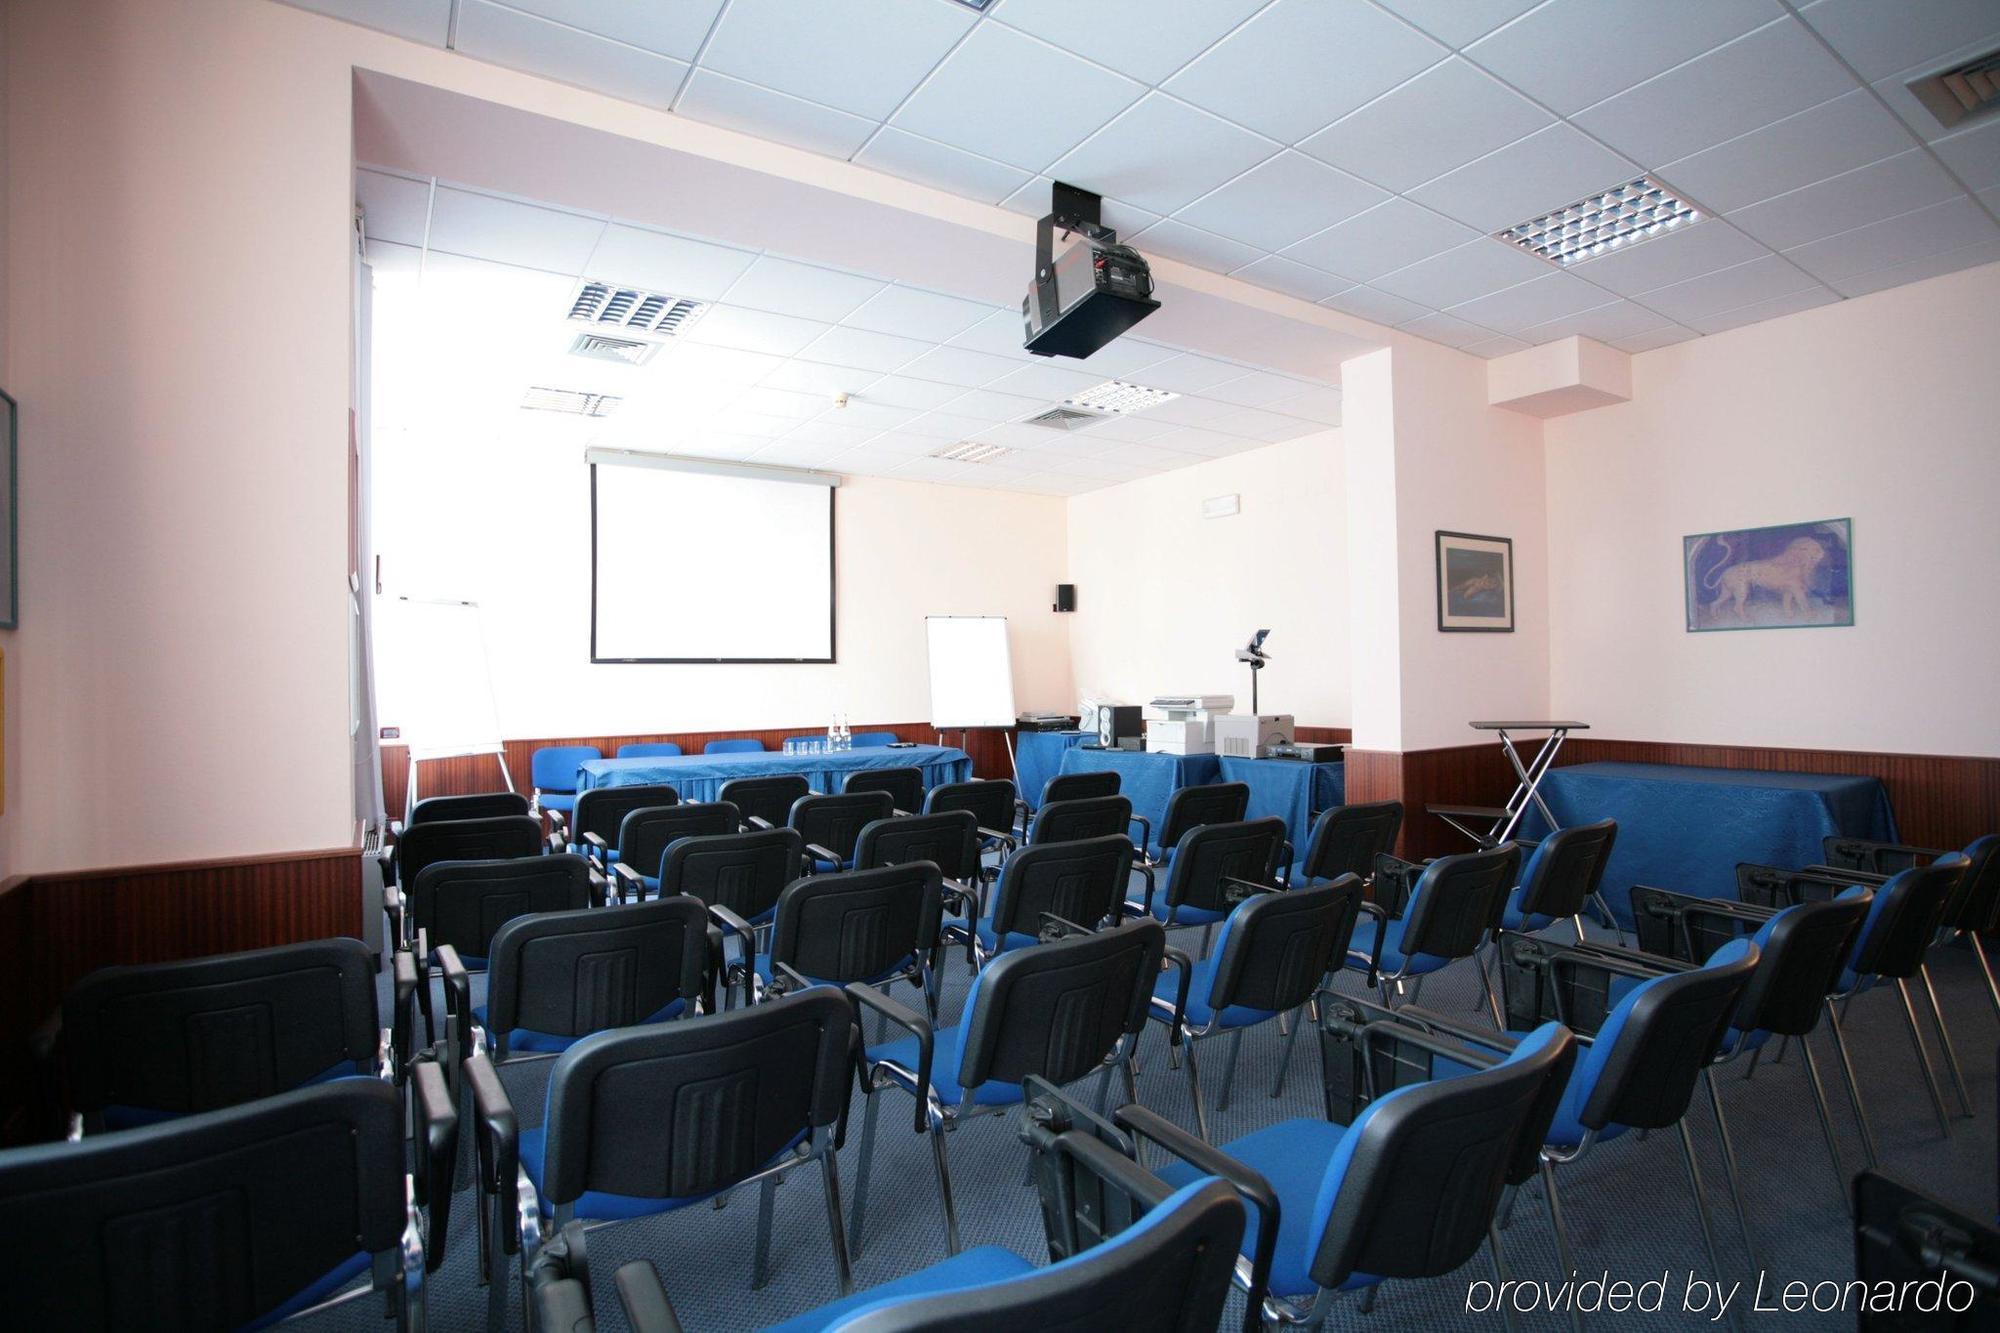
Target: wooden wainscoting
x,y
56,927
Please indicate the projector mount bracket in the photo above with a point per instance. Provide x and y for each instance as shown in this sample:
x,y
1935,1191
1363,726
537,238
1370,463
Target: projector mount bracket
x,y
1073,210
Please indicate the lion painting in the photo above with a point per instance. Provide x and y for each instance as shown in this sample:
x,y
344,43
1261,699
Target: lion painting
x,y
1769,577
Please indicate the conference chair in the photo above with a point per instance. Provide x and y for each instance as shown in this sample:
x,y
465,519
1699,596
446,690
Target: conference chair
x,y
1562,875
1080,819
765,802
645,834
831,825
1213,866
649,750
991,799
464,840
592,829
1129,1252
480,805
145,1043
948,840
552,771
755,1094
872,740
1274,949
741,873
1346,840
1082,882
1079,786
234,1218
460,904
868,927
734,745
1191,807
1056,1012
1453,908
904,785
1407,1191
1973,910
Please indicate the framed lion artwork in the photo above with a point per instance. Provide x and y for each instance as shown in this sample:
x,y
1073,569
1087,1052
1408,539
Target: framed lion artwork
x,y
1787,577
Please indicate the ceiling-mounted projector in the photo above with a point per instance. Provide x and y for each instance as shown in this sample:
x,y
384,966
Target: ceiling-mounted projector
x,y
1092,292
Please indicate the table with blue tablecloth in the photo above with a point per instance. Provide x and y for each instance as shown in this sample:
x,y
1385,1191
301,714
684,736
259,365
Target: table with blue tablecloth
x,y
1038,756
699,777
1291,789
1686,828
1147,778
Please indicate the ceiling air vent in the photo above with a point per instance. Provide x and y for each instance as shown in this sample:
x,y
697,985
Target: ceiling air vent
x,y
971,451
624,351
574,401
1064,418
1968,91
609,306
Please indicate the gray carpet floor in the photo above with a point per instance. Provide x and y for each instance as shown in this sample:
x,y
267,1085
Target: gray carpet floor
x,y
1627,1202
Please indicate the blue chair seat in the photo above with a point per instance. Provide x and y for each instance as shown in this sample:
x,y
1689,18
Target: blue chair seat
x,y
972,1268
821,867
597,1205
322,1287
944,1070
1294,1156
584,849
1393,958
1201,984
1513,918
989,939
1186,916
522,1040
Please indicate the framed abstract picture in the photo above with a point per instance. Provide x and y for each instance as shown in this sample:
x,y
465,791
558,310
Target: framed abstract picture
x,y
1791,576
1475,583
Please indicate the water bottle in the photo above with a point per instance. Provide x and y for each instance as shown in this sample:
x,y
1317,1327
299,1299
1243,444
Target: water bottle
x,y
846,737
833,734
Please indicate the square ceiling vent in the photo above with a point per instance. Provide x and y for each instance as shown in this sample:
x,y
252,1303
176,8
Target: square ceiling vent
x,y
604,305
1065,418
1969,90
619,351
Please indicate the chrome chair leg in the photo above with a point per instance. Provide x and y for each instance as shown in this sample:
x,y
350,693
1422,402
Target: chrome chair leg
x,y
760,1262
1826,1123
861,1173
829,1172
942,1161
1853,1087
1564,1255
1501,1276
1701,1208
1504,1215
1750,1071
1985,970
1729,1169
1229,1069
1923,1057
1104,1089
1944,1040
1778,1056
1285,1059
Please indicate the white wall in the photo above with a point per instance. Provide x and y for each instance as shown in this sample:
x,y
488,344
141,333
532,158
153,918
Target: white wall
x,y
1882,409
1165,596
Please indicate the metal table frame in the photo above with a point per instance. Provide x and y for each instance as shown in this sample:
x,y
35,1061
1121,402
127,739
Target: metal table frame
x,y
1505,819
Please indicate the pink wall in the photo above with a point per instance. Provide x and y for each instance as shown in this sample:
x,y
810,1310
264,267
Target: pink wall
x,y
1882,409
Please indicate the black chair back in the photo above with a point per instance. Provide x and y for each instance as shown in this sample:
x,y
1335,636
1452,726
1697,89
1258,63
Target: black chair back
x,y
1458,901
1276,948
462,903
1081,882
1566,868
904,785
480,805
1802,951
991,800
949,840
602,809
1669,1036
681,1110
1895,943
1079,786
201,1034
1347,839
769,799
1059,1009
1081,819
835,822
1420,1189
573,973
860,925
1192,807
494,839
1976,905
645,834
1208,857
743,872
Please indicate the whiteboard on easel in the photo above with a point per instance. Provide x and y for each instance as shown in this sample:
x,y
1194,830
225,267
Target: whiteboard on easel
x,y
972,675
438,685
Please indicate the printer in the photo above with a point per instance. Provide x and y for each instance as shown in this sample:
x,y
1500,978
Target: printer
x,y
1184,723
1251,735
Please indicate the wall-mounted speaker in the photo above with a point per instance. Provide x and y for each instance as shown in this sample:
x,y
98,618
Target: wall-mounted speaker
x,y
1065,597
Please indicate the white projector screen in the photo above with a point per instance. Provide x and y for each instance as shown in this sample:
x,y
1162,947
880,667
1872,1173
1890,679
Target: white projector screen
x,y
700,566
972,677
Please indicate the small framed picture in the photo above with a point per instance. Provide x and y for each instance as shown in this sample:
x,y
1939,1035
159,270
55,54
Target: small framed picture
x,y
1475,583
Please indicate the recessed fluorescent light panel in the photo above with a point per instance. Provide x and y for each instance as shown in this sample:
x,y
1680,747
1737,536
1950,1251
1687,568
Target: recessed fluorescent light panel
x,y
1120,397
1619,217
971,451
574,401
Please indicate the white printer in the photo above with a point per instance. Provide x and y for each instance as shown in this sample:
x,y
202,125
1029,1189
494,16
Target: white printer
x,y
1184,723
1251,736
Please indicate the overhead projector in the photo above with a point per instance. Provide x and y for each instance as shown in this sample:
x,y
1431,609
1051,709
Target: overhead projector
x,y
1092,292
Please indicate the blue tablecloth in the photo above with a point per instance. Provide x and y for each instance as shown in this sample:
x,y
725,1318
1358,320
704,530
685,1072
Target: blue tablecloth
x,y
1038,756
1687,828
1291,790
699,777
1146,778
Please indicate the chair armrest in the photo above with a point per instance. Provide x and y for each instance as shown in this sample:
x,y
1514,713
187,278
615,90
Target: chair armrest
x,y
813,849
967,900
394,906
1381,934
457,1011
913,1023
1178,960
1236,890
436,1143
498,1137
628,878
1432,1022
1870,878
1007,839
647,1308
402,1022
730,922
1145,835
1251,1185
558,819
1391,1031
786,980
757,823
563,1305
595,847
